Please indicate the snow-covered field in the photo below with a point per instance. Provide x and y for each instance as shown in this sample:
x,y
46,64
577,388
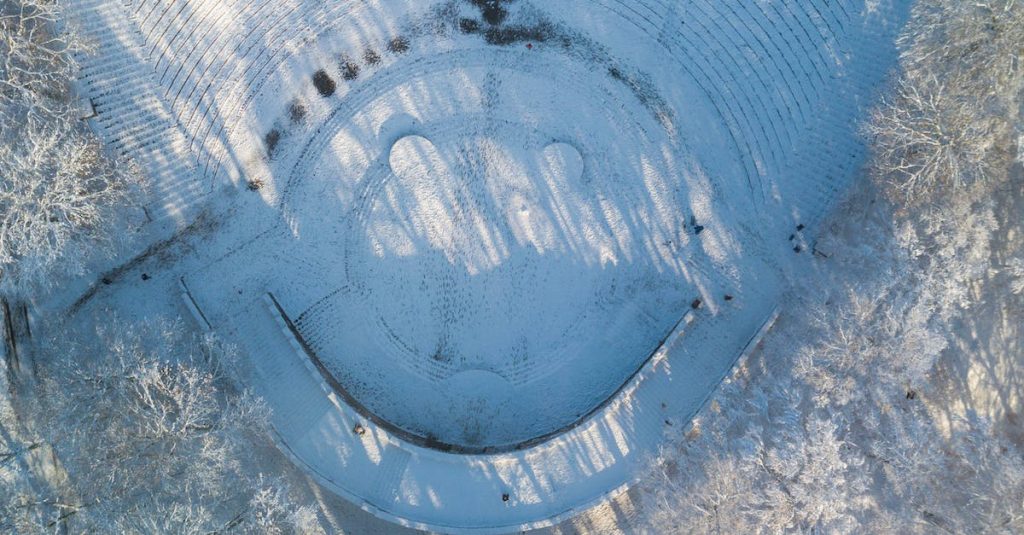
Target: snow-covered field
x,y
449,234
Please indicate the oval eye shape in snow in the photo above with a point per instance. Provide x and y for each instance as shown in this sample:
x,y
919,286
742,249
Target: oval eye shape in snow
x,y
414,157
563,161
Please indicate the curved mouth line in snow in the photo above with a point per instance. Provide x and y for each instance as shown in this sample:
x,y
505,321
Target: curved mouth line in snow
x,y
426,441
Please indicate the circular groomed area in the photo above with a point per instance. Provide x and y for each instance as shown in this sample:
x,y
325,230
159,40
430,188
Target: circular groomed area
x,y
505,226
472,283
485,255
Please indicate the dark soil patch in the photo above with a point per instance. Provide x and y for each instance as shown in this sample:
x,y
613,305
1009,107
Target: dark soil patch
x,y
469,25
297,112
349,69
644,91
271,140
398,45
517,33
371,57
324,83
493,12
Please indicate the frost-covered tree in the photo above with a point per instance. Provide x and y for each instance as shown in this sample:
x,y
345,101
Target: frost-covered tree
x,y
975,46
853,418
949,121
36,57
58,191
58,194
829,435
1016,270
759,463
153,435
928,136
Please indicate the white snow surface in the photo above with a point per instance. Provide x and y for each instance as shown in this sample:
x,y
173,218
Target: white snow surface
x,y
466,236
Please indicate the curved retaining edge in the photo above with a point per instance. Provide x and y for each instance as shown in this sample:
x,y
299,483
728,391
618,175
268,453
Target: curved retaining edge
x,y
650,367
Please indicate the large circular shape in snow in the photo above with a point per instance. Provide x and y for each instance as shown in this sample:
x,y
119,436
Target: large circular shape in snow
x,y
508,223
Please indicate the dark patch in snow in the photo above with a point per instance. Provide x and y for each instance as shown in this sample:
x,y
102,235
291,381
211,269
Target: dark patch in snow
x,y
371,57
324,83
349,68
467,25
398,45
492,11
697,229
271,140
513,34
297,112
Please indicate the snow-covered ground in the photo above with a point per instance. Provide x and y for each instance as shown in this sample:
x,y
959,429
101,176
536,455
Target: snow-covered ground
x,y
458,227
